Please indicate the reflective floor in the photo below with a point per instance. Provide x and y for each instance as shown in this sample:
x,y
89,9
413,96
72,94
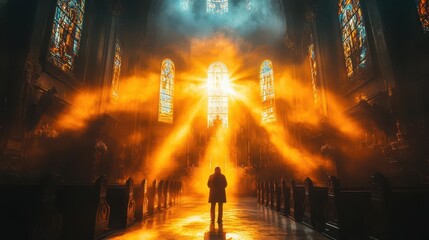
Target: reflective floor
x,y
243,219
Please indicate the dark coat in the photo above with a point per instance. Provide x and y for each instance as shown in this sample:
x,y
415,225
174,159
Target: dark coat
x,y
217,184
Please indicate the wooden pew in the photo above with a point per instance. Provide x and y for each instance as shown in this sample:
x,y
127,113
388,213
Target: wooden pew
x,y
161,197
171,194
346,210
258,192
29,212
174,192
177,192
267,193
122,204
166,194
397,213
314,205
180,191
84,209
296,200
263,194
141,198
285,196
271,194
278,196
153,198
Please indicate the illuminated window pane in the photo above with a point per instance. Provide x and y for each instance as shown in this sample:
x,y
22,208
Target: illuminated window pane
x,y
166,91
267,91
313,72
249,5
217,86
423,9
217,6
354,39
116,71
66,34
186,4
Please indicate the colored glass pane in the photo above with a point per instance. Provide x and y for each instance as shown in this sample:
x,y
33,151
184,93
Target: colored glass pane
x,y
354,38
217,6
249,5
117,62
185,4
267,91
423,10
166,91
217,86
66,34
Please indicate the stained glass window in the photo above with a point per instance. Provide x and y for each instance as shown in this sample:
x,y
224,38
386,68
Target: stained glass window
x,y
423,9
66,34
117,62
267,91
313,72
186,4
354,39
217,86
217,6
166,91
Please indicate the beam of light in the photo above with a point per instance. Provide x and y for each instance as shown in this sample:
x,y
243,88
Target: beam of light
x,y
162,164
88,104
217,153
304,163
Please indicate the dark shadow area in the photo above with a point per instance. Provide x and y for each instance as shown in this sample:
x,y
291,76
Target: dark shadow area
x,y
215,233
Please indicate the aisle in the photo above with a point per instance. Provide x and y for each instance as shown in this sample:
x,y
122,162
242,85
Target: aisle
x,y
243,219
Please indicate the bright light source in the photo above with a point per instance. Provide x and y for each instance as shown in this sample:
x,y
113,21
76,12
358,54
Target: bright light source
x,y
217,89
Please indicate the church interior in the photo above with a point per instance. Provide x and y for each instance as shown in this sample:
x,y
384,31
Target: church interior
x,y
315,109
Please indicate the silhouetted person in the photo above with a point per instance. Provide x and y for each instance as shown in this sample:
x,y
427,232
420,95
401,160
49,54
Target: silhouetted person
x,y
217,184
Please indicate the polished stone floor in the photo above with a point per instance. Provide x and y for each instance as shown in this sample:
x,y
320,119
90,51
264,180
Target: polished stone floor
x,y
243,219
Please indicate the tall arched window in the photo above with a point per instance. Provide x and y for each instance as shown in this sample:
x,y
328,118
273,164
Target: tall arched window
x,y
217,6
313,71
217,91
166,91
267,91
423,9
354,38
117,62
66,34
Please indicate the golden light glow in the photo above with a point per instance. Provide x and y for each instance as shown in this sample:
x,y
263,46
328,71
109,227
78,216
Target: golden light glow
x,y
139,93
217,92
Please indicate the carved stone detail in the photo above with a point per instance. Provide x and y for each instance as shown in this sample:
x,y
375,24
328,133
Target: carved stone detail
x,y
32,70
145,197
131,202
117,8
310,15
289,41
292,186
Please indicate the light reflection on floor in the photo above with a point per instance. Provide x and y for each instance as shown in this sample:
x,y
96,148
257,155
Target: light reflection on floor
x,y
243,219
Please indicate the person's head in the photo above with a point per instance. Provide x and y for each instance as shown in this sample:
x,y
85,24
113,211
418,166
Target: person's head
x,y
217,169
